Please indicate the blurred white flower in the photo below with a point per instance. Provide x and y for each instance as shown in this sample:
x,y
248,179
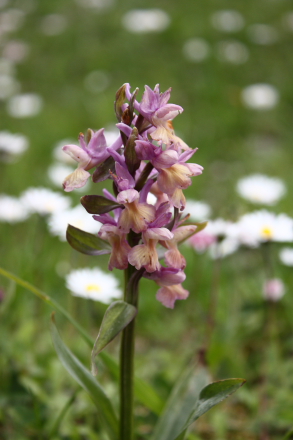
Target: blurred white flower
x,y
93,284
6,67
215,230
111,134
273,290
16,50
286,256
59,154
96,4
196,49
146,20
44,201
77,217
262,226
96,81
227,20
288,21
12,210
261,189
260,96
223,248
25,105
3,3
232,51
57,173
8,86
262,34
151,199
11,20
199,211
53,24
12,144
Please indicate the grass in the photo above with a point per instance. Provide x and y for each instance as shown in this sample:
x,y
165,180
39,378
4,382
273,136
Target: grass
x,y
225,316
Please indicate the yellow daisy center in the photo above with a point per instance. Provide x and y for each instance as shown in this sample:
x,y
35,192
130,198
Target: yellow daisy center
x,y
93,288
267,233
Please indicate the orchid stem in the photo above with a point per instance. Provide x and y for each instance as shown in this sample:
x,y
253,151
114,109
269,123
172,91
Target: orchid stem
x,y
127,359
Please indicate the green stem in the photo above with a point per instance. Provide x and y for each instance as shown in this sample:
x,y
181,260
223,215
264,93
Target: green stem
x,y
127,358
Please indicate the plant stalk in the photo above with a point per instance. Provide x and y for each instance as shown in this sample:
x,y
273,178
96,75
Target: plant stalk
x,y
127,358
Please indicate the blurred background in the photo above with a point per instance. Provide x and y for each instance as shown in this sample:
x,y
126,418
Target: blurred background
x,y
230,67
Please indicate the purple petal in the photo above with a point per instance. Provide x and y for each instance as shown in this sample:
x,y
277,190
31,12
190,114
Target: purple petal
x,y
116,156
145,150
97,146
145,190
168,111
104,219
164,98
186,155
166,159
124,128
108,195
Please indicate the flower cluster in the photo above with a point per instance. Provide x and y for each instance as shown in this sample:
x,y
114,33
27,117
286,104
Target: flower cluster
x,y
146,159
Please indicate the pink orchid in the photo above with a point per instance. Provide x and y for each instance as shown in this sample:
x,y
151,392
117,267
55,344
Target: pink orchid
x,y
88,156
135,216
173,256
174,172
145,255
120,246
169,280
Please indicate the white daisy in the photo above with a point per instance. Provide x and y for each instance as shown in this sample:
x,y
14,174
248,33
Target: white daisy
x,y
12,210
111,134
232,51
77,217
16,50
151,199
146,20
260,96
223,248
263,34
8,86
273,290
44,201
96,5
25,105
196,49
227,20
199,211
11,20
209,236
57,173
59,154
286,256
93,284
53,24
261,189
96,81
262,226
12,144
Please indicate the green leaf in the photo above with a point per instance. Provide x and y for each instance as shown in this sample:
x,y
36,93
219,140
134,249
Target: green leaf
x,y
143,391
98,204
119,101
189,401
213,394
78,371
289,435
85,242
131,158
103,171
116,318
182,399
200,227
